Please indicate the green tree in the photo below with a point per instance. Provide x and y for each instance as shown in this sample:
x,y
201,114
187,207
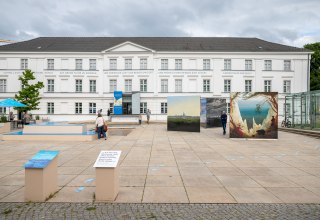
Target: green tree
x,y
29,94
314,65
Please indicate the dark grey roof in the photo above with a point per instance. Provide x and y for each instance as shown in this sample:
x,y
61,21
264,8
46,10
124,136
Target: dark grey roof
x,y
181,44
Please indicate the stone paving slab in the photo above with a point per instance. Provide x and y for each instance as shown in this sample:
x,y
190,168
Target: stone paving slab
x,y
157,166
157,211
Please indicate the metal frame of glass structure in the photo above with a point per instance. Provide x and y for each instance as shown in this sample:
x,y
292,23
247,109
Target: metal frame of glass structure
x,y
303,109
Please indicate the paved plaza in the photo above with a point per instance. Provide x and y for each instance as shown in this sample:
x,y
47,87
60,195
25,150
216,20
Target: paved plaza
x,y
157,166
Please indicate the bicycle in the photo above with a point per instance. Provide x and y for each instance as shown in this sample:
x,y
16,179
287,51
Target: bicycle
x,y
286,123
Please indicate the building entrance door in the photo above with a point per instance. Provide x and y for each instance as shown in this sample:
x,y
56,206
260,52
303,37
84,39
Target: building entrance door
x,y
127,104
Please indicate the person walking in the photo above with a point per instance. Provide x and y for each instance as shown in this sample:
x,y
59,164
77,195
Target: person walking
x,y
108,114
224,119
11,116
100,127
148,115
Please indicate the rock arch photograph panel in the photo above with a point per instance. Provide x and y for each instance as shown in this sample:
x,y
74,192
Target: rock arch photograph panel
x,y
254,115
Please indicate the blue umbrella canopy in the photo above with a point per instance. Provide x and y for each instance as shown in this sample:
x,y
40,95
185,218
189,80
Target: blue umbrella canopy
x,y
11,103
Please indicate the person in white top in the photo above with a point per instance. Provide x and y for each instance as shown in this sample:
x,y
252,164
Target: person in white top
x,y
100,127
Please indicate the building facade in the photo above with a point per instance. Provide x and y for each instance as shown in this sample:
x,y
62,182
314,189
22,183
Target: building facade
x,y
81,74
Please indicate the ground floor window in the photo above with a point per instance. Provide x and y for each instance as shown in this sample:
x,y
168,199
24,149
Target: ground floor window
x,y
228,108
92,108
143,107
50,108
111,108
2,110
78,107
164,108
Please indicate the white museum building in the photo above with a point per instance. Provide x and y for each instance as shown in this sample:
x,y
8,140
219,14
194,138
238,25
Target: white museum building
x,y
80,74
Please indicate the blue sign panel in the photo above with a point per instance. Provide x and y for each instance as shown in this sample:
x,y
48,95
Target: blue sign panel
x,y
117,106
41,159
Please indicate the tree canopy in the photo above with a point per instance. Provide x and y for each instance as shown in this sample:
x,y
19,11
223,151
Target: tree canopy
x,y
29,93
314,65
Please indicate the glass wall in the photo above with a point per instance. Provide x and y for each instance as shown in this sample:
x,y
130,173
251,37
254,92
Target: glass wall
x,y
302,110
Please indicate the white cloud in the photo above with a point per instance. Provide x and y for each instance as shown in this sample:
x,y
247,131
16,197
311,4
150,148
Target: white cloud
x,y
291,22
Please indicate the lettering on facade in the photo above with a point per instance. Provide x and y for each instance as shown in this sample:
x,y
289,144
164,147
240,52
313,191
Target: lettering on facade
x,y
183,72
238,72
128,72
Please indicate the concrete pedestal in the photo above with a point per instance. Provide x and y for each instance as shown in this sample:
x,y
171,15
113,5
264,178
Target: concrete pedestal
x,y
107,183
41,176
107,175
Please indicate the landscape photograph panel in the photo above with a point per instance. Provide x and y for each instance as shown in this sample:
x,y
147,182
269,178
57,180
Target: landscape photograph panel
x,y
254,115
183,113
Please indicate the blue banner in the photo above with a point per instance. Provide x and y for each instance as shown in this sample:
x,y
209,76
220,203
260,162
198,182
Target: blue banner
x,y
117,107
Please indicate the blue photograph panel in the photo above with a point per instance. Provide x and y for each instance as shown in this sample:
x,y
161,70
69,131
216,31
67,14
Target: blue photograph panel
x,y
41,159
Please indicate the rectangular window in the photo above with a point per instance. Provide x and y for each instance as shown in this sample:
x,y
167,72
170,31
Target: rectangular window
x,y
267,86
143,85
287,65
111,108
143,107
92,64
92,108
228,108
113,64
24,64
50,64
287,86
3,110
128,64
3,85
227,64
248,86
143,64
178,85
50,85
164,108
113,85
78,107
268,65
78,64
206,85
128,85
78,85
178,64
206,64
248,64
93,86
164,64
50,108
164,85
227,85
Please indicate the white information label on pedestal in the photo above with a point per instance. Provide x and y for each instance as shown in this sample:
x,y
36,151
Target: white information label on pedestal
x,y
107,159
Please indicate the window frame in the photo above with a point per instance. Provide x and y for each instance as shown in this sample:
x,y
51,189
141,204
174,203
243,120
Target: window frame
x,y
248,88
113,85
178,64
113,64
50,64
164,85
248,64
3,85
128,63
50,85
93,87
127,85
206,64
178,85
206,85
78,64
92,107
143,107
50,108
164,64
78,85
268,65
267,85
78,107
227,85
227,64
24,63
164,108
92,64
143,85
286,86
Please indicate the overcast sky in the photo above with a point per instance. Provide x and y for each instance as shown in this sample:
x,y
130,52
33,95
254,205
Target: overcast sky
x,y
290,22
